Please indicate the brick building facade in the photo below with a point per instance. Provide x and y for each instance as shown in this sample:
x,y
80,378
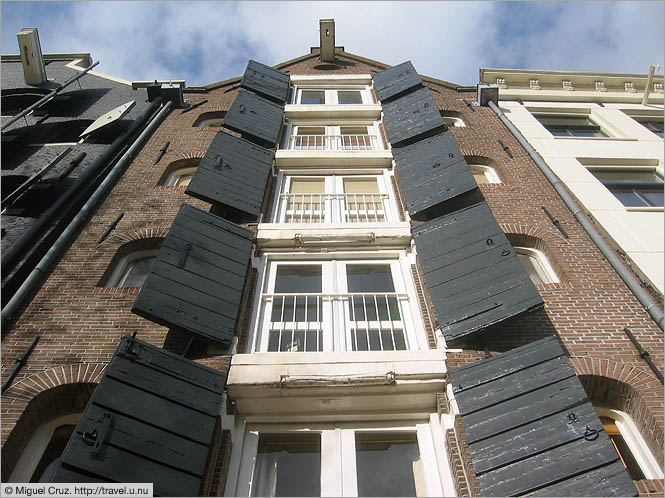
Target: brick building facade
x,y
81,312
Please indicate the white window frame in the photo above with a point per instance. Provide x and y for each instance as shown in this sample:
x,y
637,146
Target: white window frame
x,y
330,93
631,435
34,450
121,270
176,175
332,135
336,333
453,121
333,200
489,172
338,455
546,273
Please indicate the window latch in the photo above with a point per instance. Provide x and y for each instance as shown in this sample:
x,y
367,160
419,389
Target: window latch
x,y
590,434
185,255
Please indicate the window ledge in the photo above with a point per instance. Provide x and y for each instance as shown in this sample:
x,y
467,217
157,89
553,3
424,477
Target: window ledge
x,y
645,209
615,139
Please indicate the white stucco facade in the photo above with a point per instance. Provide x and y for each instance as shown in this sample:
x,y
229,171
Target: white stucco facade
x,y
626,146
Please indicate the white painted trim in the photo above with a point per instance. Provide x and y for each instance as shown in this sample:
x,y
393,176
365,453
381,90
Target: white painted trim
x,y
74,65
34,450
634,440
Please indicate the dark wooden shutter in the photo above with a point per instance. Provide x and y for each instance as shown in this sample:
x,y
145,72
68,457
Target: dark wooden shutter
x,y
152,418
197,279
531,428
412,117
234,173
255,116
472,271
432,171
396,80
267,81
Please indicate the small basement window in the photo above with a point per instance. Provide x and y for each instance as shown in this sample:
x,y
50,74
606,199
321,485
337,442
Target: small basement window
x,y
180,177
452,118
536,265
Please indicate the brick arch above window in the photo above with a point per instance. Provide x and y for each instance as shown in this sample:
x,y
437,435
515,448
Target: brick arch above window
x,y
623,387
31,401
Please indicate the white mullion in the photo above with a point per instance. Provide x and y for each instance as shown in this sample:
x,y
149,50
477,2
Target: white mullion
x,y
348,461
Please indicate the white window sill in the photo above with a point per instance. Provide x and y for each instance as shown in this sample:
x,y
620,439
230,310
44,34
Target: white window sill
x,y
644,209
615,139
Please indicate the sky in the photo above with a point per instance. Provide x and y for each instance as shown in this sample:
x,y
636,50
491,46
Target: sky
x,y
206,42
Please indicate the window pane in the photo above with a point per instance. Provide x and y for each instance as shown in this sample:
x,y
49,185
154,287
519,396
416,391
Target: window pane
x,y
313,97
301,279
136,272
369,278
353,130
654,198
387,464
628,198
479,175
307,186
360,186
349,97
287,465
622,449
532,267
375,340
295,340
311,130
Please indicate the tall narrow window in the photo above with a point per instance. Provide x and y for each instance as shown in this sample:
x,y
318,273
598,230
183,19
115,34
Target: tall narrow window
x,y
296,322
363,200
288,465
375,319
622,448
388,464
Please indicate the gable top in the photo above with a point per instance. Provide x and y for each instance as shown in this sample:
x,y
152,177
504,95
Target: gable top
x,y
347,63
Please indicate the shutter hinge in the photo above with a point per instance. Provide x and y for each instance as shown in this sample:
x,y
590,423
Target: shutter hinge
x,y
97,438
185,255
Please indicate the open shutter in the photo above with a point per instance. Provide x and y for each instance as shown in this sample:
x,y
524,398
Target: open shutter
x,y
234,173
395,80
472,272
531,428
152,418
197,279
432,171
266,80
411,117
255,116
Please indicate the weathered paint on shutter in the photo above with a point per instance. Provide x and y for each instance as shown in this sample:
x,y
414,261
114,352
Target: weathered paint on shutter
x,y
432,171
255,116
411,117
531,429
197,279
234,173
472,271
267,81
392,82
152,418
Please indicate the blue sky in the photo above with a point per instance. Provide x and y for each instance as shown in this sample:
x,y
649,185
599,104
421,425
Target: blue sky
x,y
205,42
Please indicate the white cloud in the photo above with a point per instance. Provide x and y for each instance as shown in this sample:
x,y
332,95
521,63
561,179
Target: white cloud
x,y
205,42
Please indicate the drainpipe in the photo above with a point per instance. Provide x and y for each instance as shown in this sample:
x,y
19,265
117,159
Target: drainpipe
x,y
647,88
624,272
19,248
63,240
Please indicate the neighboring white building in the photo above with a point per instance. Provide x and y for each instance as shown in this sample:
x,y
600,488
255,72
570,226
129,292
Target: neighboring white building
x,y
603,144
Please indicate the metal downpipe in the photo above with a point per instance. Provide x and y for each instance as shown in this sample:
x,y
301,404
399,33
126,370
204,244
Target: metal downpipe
x,y
78,220
624,272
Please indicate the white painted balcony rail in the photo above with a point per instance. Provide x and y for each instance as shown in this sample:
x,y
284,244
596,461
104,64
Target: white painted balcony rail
x,y
332,208
333,142
335,322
